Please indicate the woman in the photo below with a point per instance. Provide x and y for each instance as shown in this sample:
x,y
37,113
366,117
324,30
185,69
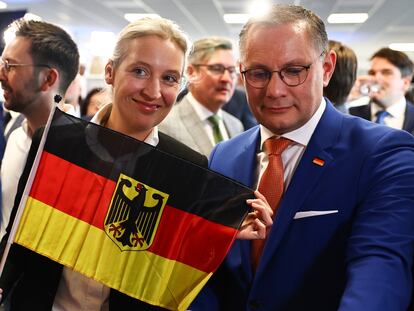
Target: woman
x,y
145,74
94,100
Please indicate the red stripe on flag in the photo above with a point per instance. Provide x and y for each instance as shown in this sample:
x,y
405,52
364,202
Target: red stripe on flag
x,y
191,239
72,189
80,193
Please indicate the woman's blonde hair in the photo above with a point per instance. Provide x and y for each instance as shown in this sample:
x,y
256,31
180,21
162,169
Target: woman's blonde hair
x,y
161,27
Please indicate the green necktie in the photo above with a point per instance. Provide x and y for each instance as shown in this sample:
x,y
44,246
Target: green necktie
x,y
214,121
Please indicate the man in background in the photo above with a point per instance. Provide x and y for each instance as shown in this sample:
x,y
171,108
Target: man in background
x,y
388,80
198,120
36,65
238,107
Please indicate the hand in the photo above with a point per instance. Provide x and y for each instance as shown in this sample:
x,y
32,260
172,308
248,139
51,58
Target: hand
x,y
256,223
356,89
1,294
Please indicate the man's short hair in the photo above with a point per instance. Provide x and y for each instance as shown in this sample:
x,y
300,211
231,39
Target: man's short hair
x,y
203,49
398,59
50,45
281,14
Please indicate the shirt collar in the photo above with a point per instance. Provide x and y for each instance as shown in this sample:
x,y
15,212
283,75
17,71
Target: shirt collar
x,y
301,135
102,116
202,112
396,110
25,127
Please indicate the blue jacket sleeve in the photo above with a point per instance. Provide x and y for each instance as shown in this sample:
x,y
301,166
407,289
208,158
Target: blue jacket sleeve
x,y
380,247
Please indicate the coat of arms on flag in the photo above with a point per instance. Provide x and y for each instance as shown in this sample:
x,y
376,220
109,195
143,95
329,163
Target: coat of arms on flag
x,y
134,214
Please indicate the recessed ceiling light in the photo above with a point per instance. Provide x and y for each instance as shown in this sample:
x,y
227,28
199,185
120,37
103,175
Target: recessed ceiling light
x,y
102,43
236,18
259,8
255,9
31,16
347,18
130,17
9,35
404,47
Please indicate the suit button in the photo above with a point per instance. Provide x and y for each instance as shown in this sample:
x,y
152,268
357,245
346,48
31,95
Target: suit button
x,y
255,304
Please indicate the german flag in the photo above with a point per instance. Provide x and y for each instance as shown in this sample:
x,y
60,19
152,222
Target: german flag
x,y
126,214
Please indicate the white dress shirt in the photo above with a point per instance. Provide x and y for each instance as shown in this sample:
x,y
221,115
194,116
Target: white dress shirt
x,y
76,291
203,113
293,153
14,160
396,113
14,115
13,163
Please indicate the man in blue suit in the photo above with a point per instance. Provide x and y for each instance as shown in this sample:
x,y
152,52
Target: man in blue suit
x,y
343,231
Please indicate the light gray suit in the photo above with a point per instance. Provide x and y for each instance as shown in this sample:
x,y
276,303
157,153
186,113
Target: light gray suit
x,y
184,124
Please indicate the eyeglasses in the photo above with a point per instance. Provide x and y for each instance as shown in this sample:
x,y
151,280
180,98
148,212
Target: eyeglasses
x,y
219,69
292,76
4,63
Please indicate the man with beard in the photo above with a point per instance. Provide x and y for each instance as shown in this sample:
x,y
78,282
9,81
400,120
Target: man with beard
x,y
198,120
36,65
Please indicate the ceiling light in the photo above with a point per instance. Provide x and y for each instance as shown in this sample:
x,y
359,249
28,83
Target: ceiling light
x,y
347,18
9,35
236,18
32,17
404,47
130,17
3,5
102,43
259,8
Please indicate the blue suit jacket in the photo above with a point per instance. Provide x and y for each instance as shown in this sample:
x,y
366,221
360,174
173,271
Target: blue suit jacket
x,y
358,258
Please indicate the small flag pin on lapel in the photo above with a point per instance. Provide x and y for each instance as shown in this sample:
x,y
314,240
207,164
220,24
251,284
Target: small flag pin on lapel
x,y
318,161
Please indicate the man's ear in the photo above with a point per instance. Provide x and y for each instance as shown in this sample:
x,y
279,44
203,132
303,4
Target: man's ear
x,y
328,66
190,70
241,75
193,75
49,79
109,72
406,83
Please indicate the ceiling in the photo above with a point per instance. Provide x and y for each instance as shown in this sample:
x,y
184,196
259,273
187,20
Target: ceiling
x,y
389,20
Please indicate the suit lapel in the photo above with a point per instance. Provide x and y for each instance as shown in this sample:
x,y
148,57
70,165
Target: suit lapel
x,y
361,111
409,118
193,123
304,180
366,112
228,123
247,158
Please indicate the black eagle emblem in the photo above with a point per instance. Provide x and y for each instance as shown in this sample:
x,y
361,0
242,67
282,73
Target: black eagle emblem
x,y
130,222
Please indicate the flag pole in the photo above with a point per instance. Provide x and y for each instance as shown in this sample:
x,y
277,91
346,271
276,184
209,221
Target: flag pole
x,y
26,190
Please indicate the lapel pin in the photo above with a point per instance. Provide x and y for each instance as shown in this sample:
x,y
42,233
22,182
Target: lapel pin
x,y
318,161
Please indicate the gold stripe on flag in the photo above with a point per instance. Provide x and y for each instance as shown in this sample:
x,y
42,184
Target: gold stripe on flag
x,y
88,250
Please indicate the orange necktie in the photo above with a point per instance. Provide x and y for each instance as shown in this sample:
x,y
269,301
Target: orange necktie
x,y
271,185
